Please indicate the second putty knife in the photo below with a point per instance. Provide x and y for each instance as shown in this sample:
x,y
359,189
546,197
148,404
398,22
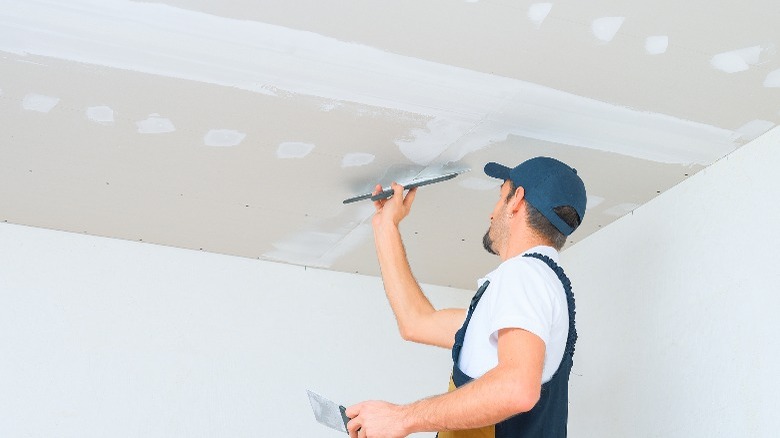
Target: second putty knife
x,y
328,412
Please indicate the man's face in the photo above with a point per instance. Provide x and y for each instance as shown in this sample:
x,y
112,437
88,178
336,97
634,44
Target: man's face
x,y
496,236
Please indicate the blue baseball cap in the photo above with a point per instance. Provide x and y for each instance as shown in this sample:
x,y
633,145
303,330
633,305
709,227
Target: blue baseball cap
x,y
548,184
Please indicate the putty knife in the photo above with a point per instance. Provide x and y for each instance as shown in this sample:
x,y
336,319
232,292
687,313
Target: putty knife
x,y
328,412
388,191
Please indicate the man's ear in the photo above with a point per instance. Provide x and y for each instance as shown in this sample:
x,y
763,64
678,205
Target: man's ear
x,y
517,199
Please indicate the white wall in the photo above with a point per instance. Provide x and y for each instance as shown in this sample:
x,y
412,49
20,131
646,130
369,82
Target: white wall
x,y
678,309
108,338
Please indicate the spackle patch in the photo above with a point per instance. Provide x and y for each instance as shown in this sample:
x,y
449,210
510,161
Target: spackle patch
x,y
223,138
593,202
294,150
754,129
772,79
605,28
39,102
656,45
357,159
621,209
155,124
474,183
100,114
537,12
737,60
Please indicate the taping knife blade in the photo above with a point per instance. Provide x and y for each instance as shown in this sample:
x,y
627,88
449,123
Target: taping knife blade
x,y
328,413
388,192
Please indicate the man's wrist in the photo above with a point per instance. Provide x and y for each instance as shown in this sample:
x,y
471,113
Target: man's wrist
x,y
387,229
416,419
410,419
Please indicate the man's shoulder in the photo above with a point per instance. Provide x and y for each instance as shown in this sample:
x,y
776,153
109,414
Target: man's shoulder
x,y
517,270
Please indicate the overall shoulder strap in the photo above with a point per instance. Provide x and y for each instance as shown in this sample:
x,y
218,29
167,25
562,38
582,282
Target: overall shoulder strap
x,y
571,339
460,335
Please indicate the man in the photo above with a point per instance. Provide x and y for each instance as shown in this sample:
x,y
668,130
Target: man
x,y
513,354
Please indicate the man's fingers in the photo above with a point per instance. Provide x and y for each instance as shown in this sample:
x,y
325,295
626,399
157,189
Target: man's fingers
x,y
353,427
398,189
410,197
377,190
398,193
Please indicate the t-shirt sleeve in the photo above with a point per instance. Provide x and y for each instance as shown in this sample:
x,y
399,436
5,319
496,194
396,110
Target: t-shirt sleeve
x,y
519,298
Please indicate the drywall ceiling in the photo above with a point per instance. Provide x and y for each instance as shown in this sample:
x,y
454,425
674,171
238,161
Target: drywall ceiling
x,y
239,126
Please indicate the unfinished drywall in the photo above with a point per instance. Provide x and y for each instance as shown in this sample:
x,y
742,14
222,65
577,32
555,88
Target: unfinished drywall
x,y
467,110
677,309
102,337
239,127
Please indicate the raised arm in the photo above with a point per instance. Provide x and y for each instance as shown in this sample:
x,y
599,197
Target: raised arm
x,y
418,320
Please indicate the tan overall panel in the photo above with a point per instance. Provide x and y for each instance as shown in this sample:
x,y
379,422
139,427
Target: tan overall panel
x,y
483,432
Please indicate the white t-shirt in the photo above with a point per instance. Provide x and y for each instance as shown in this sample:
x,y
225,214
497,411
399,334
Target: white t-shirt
x,y
523,293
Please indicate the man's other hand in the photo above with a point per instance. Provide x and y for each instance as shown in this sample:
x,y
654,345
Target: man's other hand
x,y
377,419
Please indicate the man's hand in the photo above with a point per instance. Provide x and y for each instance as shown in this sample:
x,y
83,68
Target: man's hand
x,y
394,209
377,419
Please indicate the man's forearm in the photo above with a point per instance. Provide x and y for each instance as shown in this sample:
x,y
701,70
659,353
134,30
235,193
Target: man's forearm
x,y
485,401
513,386
403,292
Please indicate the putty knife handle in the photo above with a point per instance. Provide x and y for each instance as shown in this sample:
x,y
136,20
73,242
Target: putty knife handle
x,y
385,194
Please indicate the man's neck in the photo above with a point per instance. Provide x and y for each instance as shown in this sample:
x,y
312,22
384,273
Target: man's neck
x,y
521,244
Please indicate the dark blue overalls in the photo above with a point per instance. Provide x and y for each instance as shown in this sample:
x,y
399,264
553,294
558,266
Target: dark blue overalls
x,y
548,417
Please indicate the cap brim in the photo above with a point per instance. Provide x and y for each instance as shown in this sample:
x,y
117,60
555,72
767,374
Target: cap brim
x,y
497,171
